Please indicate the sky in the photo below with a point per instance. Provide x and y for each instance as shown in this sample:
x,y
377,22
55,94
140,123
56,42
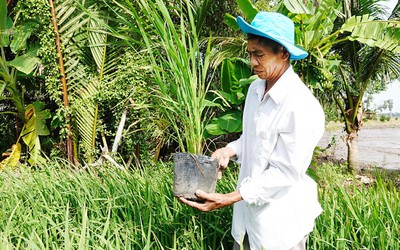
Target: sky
x,y
392,92
390,4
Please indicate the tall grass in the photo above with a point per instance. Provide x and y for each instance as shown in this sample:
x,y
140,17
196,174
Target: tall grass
x,y
180,67
357,216
105,208
59,208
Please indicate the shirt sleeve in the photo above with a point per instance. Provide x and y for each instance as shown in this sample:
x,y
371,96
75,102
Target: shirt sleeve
x,y
289,160
237,147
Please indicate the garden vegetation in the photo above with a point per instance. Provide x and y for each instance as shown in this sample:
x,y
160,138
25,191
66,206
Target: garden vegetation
x,y
103,208
96,96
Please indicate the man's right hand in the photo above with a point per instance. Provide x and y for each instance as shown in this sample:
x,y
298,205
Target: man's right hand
x,y
223,155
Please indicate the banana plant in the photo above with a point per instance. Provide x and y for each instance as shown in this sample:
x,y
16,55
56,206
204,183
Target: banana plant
x,y
12,73
348,43
236,77
351,49
35,126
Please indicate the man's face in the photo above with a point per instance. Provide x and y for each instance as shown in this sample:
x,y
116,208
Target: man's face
x,y
266,64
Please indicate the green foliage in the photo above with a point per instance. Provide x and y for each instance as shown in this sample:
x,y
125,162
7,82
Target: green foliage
x,y
19,63
130,88
374,33
26,63
247,8
105,208
184,79
3,16
232,71
34,127
384,118
235,80
330,174
356,216
91,61
296,7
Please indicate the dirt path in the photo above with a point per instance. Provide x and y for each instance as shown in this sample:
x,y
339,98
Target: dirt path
x,y
378,146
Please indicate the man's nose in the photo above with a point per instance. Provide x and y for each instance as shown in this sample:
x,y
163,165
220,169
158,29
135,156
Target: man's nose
x,y
253,61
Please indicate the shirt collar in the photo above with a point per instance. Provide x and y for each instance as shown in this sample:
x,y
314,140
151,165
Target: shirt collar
x,y
281,88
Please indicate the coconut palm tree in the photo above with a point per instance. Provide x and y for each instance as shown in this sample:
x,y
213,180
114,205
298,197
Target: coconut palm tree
x,y
373,60
88,60
351,48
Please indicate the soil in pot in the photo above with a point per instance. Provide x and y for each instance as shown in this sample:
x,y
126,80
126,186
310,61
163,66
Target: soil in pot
x,y
193,172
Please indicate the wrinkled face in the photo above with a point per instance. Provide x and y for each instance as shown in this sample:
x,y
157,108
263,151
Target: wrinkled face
x,y
265,63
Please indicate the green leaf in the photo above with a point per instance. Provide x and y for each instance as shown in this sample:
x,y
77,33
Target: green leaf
x,y
5,33
213,128
3,14
375,33
245,82
208,103
296,6
26,63
97,42
231,21
3,19
231,98
232,71
34,127
231,121
248,9
21,35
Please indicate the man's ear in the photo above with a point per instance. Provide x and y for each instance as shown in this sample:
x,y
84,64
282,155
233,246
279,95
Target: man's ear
x,y
285,55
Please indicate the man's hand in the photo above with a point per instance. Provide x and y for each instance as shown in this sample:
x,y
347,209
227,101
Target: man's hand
x,y
223,155
212,201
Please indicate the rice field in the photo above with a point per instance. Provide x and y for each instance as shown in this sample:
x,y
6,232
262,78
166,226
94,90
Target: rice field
x,y
57,207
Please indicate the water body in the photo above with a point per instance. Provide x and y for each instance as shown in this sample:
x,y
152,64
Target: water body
x,y
378,147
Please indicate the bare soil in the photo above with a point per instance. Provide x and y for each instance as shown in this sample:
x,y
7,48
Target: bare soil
x,y
378,143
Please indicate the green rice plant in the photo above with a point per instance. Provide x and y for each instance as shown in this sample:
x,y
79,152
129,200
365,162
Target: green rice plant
x,y
179,64
56,207
356,216
103,208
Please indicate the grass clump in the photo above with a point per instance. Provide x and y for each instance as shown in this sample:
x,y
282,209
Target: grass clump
x,y
104,208
60,208
356,215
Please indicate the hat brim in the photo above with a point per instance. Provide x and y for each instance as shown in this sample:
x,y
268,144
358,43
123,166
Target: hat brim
x,y
295,52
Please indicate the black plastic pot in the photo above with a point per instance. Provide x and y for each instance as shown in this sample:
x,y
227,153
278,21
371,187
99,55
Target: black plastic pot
x,y
193,172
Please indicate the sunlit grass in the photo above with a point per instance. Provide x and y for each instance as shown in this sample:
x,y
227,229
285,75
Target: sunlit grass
x,y
357,216
106,208
60,208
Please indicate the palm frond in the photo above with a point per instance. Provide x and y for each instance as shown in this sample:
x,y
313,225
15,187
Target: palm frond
x,y
84,39
227,47
374,33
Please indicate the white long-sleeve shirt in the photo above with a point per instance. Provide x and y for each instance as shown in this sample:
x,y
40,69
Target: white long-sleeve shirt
x,y
280,132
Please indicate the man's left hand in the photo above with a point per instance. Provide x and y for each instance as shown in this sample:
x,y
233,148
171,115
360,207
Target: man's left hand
x,y
212,201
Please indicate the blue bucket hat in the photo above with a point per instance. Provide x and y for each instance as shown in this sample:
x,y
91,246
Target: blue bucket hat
x,y
274,26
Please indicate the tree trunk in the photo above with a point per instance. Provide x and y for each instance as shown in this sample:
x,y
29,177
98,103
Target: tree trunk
x,y
70,143
354,123
352,152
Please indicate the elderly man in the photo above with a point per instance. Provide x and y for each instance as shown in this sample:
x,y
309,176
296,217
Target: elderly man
x,y
275,203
